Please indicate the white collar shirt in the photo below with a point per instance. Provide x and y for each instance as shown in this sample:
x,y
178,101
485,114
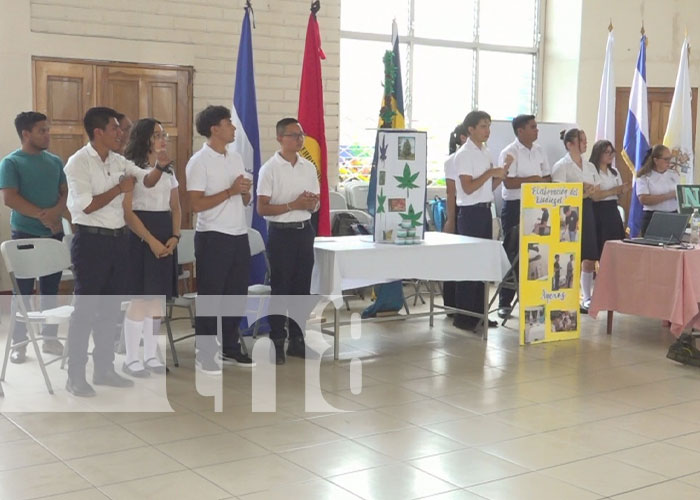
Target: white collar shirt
x,y
608,180
284,182
656,183
566,170
157,198
212,173
450,173
473,161
527,162
88,176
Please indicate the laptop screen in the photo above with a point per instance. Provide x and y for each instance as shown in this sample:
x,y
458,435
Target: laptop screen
x,y
667,227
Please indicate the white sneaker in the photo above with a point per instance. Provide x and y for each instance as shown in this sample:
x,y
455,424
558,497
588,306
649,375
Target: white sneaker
x,y
208,365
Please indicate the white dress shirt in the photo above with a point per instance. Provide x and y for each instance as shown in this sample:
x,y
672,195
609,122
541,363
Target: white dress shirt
x,y
157,198
88,176
565,170
213,172
450,173
526,163
284,182
656,183
473,161
608,180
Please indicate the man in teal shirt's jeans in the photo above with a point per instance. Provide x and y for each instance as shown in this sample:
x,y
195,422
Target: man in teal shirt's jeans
x,y
34,187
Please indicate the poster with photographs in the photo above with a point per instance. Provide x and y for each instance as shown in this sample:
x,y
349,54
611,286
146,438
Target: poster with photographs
x,y
550,262
401,182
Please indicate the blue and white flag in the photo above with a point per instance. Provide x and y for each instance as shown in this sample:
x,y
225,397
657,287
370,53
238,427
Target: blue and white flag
x,y
244,116
636,142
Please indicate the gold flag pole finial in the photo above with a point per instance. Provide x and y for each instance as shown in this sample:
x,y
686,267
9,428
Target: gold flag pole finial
x,y
642,30
610,26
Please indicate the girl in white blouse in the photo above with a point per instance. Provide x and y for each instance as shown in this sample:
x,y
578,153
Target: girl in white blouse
x,y
656,183
574,168
608,223
153,216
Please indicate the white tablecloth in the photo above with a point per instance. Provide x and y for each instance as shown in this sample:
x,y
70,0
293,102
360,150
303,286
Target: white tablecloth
x,y
347,262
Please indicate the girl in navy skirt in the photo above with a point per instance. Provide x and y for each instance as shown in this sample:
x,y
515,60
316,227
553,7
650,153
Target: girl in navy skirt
x,y
153,215
574,168
608,223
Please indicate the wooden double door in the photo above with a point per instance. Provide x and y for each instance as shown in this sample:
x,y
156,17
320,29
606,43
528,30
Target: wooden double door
x,y
65,89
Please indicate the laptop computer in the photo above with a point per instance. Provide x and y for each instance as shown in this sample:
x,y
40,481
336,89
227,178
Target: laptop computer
x,y
664,229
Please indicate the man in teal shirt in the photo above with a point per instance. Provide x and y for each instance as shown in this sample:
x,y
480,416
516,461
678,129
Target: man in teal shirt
x,y
34,187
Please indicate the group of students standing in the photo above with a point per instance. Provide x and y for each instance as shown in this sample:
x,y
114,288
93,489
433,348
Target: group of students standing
x,y
123,197
471,179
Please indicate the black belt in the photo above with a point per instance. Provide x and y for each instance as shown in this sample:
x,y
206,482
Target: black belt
x,y
101,230
478,205
291,225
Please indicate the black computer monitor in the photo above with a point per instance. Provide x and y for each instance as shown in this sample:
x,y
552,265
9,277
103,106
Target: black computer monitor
x,y
667,227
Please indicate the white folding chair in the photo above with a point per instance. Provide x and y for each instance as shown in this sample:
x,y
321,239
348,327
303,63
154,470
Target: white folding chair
x,y
32,259
356,194
185,255
337,201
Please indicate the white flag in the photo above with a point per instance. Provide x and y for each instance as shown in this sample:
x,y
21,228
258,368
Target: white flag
x,y
679,131
606,106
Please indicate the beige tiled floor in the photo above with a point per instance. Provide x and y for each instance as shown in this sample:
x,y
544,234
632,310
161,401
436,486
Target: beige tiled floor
x,y
442,415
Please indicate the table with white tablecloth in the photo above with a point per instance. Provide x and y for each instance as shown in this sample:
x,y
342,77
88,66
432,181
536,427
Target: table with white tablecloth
x,y
347,262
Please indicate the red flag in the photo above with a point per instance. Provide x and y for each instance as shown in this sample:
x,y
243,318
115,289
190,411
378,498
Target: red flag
x,y
311,115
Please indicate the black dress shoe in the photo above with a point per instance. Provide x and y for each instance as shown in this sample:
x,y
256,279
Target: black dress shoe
x,y
493,324
464,325
80,388
296,348
111,378
504,312
18,355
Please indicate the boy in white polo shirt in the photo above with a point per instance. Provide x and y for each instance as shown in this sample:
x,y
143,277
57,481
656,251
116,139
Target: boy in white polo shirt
x,y
288,193
219,189
529,165
477,178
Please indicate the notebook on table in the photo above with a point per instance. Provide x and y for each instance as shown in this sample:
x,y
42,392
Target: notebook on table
x,y
664,229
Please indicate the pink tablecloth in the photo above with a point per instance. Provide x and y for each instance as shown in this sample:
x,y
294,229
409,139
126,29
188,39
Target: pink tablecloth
x,y
649,281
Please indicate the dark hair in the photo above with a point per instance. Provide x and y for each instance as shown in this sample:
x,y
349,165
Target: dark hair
x,y
474,117
210,117
139,144
520,121
120,116
26,121
652,154
570,135
598,149
283,124
98,117
455,141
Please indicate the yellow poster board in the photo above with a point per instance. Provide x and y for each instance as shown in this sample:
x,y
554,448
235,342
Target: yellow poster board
x,y
550,262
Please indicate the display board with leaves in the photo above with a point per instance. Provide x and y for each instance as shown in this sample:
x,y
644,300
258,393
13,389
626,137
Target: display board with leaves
x,y
401,182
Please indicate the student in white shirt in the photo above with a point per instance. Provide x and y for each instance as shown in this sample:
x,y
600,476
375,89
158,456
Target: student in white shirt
x,y
656,183
477,180
153,216
574,168
608,223
457,138
288,193
219,189
529,164
97,179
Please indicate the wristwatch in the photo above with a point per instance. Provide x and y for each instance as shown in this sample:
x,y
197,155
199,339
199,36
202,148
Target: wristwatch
x,y
167,169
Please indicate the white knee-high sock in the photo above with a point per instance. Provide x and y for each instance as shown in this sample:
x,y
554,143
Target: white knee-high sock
x,y
133,331
586,285
151,327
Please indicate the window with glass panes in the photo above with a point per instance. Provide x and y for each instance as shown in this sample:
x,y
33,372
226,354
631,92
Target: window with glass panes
x,y
456,55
